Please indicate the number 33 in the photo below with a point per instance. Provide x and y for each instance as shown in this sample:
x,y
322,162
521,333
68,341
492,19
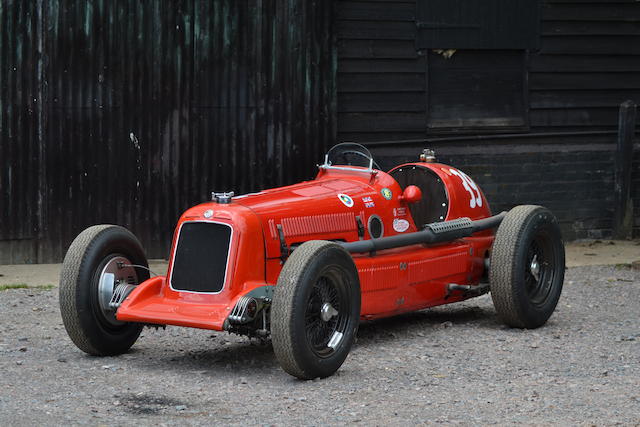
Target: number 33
x,y
470,186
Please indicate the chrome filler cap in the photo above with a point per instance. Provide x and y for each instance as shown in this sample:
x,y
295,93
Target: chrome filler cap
x,y
222,198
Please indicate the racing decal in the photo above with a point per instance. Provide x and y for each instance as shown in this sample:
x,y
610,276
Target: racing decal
x,y
386,193
368,202
399,211
400,225
346,200
470,186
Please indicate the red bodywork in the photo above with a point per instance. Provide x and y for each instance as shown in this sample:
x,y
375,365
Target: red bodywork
x,y
392,281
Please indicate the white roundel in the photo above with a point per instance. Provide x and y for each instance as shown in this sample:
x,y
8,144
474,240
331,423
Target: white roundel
x,y
400,225
208,213
346,200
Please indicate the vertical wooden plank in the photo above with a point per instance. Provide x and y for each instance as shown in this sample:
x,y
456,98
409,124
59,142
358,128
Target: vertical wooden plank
x,y
623,209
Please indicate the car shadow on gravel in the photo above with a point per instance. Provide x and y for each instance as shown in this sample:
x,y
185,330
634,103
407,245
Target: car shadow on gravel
x,y
425,322
234,357
243,357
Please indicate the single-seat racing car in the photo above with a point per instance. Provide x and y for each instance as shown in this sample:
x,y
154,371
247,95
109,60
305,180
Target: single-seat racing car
x,y
305,263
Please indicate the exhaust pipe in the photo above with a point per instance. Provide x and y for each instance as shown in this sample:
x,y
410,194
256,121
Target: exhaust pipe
x,y
437,232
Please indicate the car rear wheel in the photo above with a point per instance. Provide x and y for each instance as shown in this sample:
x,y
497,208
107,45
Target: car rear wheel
x,y
316,310
99,259
527,267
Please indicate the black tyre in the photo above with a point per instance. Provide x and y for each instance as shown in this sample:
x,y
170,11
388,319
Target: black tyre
x,y
98,259
316,310
527,267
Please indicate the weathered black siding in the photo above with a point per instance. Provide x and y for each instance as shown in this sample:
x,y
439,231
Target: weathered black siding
x,y
128,112
588,62
20,126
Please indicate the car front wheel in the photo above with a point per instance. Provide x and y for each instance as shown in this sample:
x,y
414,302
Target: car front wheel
x,y
100,259
316,310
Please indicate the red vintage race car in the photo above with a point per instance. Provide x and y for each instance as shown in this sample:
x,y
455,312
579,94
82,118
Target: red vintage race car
x,y
304,264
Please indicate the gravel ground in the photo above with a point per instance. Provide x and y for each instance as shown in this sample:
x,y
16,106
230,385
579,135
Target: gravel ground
x,y
452,364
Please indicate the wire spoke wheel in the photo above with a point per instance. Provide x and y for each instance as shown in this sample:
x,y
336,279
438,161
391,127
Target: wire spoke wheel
x,y
315,310
325,318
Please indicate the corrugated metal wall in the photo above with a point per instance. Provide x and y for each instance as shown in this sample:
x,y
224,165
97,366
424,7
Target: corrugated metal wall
x,y
20,108
136,110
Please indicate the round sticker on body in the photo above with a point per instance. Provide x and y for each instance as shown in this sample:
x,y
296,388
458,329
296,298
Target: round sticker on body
x,y
386,193
346,200
400,225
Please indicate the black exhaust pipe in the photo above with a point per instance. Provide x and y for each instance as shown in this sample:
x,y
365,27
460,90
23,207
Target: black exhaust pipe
x,y
437,232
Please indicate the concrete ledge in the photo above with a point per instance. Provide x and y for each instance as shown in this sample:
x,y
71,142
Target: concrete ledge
x,y
579,253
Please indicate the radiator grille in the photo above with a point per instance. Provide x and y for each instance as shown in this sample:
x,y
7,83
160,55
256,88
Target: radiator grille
x,y
200,260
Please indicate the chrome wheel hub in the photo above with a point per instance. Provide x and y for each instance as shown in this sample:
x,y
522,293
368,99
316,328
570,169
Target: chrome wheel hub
x,y
327,312
116,272
534,267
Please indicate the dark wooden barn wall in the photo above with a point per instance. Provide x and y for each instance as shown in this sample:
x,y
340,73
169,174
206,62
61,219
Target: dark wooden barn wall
x,y
129,112
241,94
575,182
587,64
635,190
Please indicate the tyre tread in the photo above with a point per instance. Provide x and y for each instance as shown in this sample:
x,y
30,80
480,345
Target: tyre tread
x,y
74,261
283,309
509,237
